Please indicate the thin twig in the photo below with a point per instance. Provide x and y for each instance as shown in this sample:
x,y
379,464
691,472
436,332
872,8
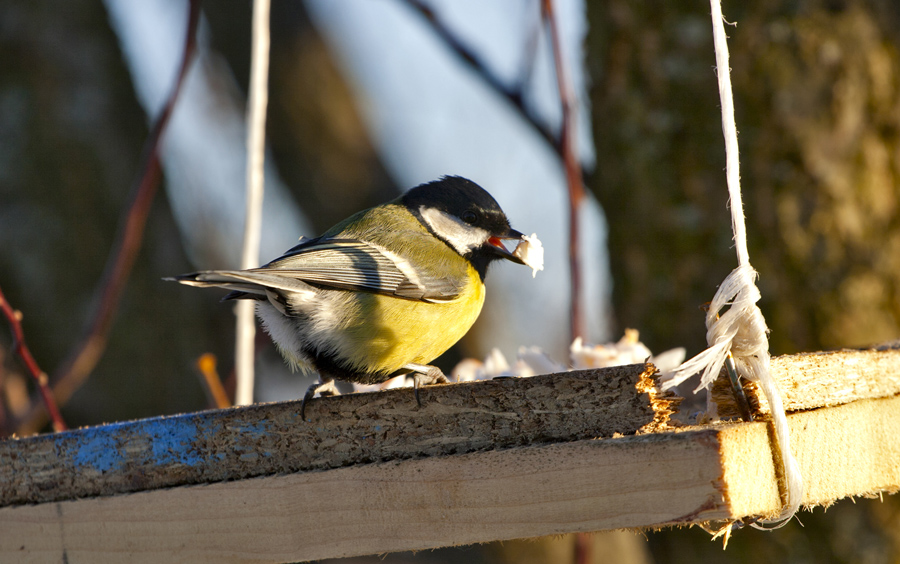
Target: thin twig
x,y
15,317
530,57
564,145
212,383
73,373
584,548
513,95
256,142
4,398
572,168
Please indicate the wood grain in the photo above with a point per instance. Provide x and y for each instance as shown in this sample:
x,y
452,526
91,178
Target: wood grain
x,y
847,450
820,379
693,475
480,462
407,505
265,439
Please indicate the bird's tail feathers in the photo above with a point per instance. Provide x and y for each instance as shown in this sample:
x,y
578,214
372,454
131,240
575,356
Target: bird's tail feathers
x,y
245,281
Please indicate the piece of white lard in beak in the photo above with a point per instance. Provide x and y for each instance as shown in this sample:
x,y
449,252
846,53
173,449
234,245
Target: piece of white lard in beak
x,y
531,251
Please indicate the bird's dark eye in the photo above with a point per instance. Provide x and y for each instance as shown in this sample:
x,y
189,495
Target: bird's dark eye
x,y
470,217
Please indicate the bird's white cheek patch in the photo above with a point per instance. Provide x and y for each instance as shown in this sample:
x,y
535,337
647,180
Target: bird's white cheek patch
x,y
531,251
464,238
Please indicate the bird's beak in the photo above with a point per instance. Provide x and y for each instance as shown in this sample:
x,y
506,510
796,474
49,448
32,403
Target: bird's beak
x,y
497,246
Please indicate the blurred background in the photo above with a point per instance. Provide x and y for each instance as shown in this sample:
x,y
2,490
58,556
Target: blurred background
x,y
367,99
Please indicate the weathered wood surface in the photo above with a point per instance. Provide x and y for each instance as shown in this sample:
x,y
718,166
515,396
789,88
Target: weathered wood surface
x,y
269,439
698,474
820,379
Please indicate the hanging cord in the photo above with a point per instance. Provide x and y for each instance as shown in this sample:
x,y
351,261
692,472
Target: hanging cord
x,y
741,329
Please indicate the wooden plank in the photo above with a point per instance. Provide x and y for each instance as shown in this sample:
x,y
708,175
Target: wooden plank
x,y
847,450
698,474
268,439
820,379
416,504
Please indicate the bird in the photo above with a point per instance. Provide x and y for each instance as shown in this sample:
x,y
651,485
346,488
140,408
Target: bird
x,y
383,292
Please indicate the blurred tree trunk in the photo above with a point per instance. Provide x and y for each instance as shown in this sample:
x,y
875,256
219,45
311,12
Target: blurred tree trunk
x,y
817,96
818,112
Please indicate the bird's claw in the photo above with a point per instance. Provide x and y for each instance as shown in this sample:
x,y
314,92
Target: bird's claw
x,y
424,375
326,388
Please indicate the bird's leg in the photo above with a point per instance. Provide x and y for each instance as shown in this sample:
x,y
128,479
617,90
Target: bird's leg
x,y
324,387
423,375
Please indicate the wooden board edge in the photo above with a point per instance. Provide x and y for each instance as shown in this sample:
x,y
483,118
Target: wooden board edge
x,y
843,451
524,492
719,472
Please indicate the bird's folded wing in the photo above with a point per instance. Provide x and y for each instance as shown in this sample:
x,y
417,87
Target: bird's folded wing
x,y
349,264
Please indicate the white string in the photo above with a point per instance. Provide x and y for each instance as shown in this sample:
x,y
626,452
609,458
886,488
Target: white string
x,y
256,141
741,329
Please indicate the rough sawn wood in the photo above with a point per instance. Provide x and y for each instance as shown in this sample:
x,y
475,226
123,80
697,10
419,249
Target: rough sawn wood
x,y
820,379
265,439
693,475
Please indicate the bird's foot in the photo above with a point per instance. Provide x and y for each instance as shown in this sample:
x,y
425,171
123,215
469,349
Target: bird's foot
x,y
326,388
424,375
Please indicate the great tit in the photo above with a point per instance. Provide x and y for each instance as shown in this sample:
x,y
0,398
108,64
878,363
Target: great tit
x,y
382,293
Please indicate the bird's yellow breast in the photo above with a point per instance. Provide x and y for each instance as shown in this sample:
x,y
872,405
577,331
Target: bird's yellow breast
x,y
393,332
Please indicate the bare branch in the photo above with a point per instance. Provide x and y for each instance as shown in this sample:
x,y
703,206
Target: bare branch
x,y
572,166
564,145
512,95
212,383
77,368
245,327
15,317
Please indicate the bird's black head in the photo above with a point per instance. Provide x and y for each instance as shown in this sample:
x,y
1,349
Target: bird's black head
x,y
467,218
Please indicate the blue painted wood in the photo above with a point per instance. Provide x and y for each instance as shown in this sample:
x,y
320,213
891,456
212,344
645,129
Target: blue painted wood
x,y
266,439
